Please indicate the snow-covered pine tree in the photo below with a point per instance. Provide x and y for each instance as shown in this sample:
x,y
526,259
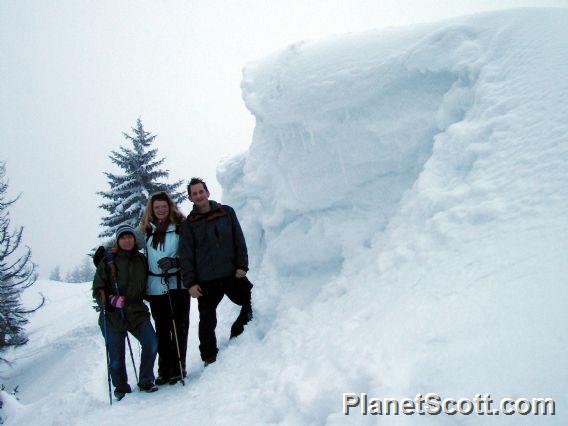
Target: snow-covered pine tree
x,y
17,272
55,274
73,275
87,269
82,273
129,192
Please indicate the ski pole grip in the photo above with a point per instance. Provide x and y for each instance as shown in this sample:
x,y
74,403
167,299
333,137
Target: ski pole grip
x,y
102,296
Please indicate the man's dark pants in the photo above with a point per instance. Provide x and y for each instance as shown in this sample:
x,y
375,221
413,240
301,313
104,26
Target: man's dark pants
x,y
239,291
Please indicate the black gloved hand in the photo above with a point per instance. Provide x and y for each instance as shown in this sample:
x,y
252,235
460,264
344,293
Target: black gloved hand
x,y
109,254
167,263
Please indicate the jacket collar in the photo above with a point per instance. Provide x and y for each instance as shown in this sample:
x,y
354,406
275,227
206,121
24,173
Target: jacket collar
x,y
127,254
171,227
215,212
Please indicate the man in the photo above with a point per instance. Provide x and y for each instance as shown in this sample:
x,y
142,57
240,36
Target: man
x,y
214,262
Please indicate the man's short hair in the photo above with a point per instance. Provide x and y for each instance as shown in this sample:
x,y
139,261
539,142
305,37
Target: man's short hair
x,y
196,181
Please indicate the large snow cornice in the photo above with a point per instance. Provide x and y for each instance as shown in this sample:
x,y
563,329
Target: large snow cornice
x,y
404,198
347,127
314,77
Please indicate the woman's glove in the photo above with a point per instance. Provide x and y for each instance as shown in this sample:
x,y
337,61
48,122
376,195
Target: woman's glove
x,y
167,263
116,301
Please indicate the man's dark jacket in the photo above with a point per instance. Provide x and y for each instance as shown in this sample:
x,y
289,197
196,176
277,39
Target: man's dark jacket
x,y
211,245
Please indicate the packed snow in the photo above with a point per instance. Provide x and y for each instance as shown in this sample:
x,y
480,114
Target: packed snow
x,y
404,200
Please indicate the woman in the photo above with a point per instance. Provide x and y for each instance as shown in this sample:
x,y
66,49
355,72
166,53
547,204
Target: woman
x,y
164,292
120,286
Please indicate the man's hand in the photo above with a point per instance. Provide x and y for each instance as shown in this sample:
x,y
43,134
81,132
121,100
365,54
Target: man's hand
x,y
240,273
195,291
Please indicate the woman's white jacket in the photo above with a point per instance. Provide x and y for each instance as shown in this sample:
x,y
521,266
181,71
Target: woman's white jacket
x,y
169,249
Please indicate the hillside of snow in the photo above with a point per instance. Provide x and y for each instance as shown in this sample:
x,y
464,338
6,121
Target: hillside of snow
x,y
404,200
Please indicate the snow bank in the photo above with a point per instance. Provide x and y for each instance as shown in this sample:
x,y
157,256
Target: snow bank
x,y
420,175
404,199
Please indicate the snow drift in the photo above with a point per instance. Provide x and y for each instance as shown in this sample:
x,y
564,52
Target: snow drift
x,y
404,200
406,190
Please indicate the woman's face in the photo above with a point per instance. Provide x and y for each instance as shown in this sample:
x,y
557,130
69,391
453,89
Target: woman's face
x,y
160,209
126,242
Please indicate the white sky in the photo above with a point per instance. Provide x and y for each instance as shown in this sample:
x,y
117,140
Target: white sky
x,y
75,74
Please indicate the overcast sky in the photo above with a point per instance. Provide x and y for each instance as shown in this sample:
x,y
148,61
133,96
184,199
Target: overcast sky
x,y
75,74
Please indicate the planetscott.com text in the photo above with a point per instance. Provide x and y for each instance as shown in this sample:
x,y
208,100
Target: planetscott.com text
x,y
433,404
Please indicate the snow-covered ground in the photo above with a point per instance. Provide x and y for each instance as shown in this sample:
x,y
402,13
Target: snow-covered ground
x,y
404,200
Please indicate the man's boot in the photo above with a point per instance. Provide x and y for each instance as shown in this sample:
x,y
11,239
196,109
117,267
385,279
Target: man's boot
x,y
243,319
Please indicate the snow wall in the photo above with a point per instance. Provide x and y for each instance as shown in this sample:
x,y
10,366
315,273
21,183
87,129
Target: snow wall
x,y
405,199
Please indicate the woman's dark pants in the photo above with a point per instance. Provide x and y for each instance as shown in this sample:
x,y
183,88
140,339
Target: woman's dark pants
x,y
145,334
168,365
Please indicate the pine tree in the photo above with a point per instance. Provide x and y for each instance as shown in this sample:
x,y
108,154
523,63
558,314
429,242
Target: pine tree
x,y
17,272
129,192
55,274
75,275
86,270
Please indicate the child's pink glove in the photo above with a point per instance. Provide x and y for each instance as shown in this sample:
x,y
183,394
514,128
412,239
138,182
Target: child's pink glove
x,y
116,301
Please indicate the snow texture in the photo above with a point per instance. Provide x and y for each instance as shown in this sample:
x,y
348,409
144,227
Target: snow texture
x,y
404,200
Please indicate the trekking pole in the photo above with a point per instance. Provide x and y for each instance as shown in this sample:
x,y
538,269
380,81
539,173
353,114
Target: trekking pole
x,y
127,338
107,354
167,287
112,267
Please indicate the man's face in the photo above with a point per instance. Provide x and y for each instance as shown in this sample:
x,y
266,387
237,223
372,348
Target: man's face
x,y
199,195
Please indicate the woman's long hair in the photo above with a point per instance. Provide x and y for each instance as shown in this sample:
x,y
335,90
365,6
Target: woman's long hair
x,y
175,216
